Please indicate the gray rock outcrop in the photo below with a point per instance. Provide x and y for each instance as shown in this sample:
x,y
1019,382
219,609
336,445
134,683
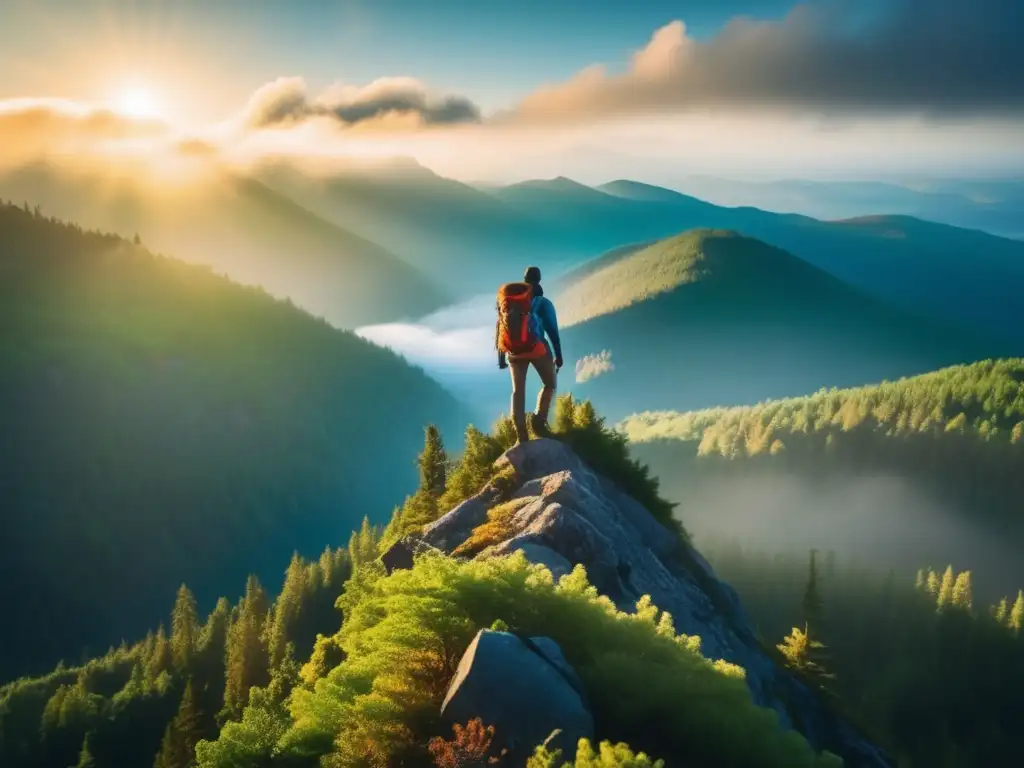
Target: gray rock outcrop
x,y
571,515
525,689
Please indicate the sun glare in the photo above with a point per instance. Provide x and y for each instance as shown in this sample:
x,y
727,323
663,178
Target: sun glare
x,y
138,101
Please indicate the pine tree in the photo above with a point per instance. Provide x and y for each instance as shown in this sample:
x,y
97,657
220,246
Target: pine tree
x,y
247,659
565,412
963,595
805,655
1001,612
161,658
182,734
933,583
362,546
85,758
945,598
433,463
288,608
184,629
211,657
137,240
1016,621
812,605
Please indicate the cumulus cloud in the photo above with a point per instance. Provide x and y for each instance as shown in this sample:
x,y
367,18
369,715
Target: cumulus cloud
x,y
591,366
398,101
935,57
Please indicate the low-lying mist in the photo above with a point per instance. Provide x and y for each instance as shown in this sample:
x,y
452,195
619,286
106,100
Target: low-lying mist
x,y
878,521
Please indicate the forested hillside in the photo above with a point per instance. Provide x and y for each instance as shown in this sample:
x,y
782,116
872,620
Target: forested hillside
x,y
349,665
160,423
933,670
238,227
953,441
724,318
961,276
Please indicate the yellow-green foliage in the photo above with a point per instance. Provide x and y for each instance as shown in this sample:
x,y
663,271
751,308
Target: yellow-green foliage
x,y
473,470
658,268
983,401
608,755
498,527
404,634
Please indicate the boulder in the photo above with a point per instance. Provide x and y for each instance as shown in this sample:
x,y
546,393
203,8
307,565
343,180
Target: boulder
x,y
453,528
399,556
512,685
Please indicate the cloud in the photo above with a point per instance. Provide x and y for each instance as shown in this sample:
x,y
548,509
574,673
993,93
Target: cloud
x,y
394,101
930,57
591,366
456,340
32,127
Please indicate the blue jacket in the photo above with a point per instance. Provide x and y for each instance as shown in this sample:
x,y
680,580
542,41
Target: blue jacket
x,y
544,320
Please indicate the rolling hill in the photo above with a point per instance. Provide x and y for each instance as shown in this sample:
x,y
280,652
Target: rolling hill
x,y
711,317
925,469
161,423
241,228
961,276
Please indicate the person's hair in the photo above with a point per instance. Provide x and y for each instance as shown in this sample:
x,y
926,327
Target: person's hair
x,y
532,275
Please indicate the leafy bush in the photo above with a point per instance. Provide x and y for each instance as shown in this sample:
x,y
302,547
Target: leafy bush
x,y
607,756
404,635
471,747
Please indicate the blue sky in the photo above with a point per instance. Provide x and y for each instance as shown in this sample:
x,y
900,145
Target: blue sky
x,y
499,90
494,51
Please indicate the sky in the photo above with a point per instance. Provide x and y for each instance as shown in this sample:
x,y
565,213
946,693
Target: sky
x,y
499,91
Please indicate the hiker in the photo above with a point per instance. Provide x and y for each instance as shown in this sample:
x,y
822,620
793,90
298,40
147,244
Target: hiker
x,y
524,317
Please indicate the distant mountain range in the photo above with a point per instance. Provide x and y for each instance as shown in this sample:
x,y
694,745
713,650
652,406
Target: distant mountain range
x,y
371,246
711,317
474,238
995,206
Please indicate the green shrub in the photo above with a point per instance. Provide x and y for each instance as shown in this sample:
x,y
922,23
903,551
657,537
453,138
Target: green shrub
x,y
607,756
404,635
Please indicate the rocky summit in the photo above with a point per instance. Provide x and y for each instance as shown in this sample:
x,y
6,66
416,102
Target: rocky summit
x,y
561,513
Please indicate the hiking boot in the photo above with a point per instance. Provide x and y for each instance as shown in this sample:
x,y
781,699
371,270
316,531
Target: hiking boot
x,y
540,426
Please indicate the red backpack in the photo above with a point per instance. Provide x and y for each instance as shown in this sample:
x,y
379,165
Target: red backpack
x,y
515,334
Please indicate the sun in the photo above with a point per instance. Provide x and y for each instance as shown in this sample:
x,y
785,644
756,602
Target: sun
x,y
138,101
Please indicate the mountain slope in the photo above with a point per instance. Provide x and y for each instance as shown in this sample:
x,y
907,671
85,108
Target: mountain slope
x,y
240,227
161,423
956,275
920,470
460,235
711,317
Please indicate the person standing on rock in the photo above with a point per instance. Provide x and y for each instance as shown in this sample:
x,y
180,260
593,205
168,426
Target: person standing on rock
x,y
525,316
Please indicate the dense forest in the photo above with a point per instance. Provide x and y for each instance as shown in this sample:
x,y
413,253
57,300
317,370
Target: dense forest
x,y
159,423
726,318
932,672
940,457
289,680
